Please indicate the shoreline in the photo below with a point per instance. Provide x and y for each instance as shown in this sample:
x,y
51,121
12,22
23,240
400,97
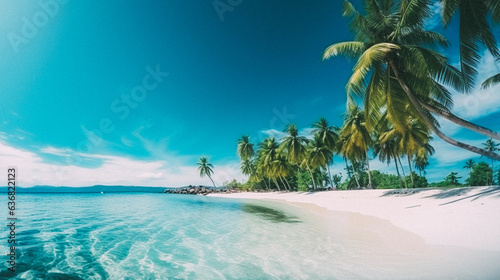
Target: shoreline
x,y
467,217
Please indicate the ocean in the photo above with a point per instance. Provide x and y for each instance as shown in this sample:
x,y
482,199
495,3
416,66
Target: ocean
x,y
162,236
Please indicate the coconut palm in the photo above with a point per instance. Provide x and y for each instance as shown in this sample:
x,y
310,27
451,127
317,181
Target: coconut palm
x,y
387,149
412,139
282,170
491,146
319,154
355,137
205,168
268,153
399,71
245,148
421,162
474,30
247,167
293,145
328,136
469,164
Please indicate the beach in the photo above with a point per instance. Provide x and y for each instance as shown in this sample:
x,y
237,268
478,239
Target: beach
x,y
467,217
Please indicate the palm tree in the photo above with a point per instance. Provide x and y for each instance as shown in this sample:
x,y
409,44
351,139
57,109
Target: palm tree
x,y
387,150
413,139
421,162
474,30
248,167
398,70
319,154
282,170
328,136
205,168
469,164
355,138
267,156
491,146
293,145
245,148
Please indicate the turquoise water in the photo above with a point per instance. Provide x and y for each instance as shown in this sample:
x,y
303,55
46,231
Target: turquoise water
x,y
160,236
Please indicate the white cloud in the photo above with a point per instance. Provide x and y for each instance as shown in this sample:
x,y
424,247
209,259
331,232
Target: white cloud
x,y
480,102
274,133
114,170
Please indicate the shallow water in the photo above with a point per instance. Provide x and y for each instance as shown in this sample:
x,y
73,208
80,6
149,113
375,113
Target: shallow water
x,y
160,236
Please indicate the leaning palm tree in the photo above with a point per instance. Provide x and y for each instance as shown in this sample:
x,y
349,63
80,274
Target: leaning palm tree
x,y
356,138
245,148
206,168
398,69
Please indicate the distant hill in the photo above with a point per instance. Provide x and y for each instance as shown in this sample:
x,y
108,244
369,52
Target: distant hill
x,y
90,189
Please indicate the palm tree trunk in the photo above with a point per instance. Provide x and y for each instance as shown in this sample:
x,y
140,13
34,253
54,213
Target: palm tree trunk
x,y
403,169
418,106
397,169
264,179
212,180
356,178
284,185
411,171
286,181
347,169
330,176
461,122
277,185
312,177
369,175
492,172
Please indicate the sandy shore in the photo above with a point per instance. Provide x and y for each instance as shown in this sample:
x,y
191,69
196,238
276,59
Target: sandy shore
x,y
463,217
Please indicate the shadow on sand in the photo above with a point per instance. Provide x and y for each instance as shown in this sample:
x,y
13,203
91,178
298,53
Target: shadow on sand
x,y
269,214
447,193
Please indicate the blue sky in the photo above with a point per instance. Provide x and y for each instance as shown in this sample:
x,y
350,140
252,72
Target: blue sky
x,y
135,93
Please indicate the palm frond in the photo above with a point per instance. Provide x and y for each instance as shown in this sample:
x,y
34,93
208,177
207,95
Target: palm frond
x,y
376,54
352,49
491,81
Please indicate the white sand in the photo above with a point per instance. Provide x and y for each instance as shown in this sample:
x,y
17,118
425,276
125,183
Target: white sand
x,y
463,217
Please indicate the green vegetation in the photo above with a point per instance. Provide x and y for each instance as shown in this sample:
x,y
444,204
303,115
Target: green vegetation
x,y
481,175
